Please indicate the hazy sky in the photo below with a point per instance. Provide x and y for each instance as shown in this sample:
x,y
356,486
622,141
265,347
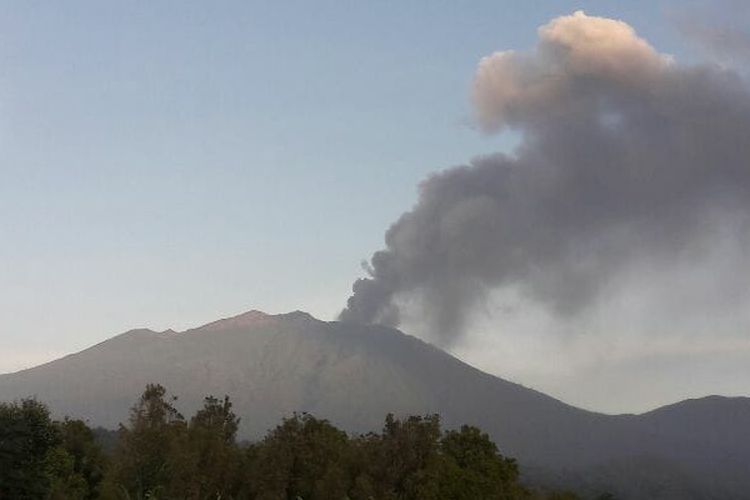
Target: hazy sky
x,y
166,164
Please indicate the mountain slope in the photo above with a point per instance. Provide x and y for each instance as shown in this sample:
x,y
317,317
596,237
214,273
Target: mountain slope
x,y
353,375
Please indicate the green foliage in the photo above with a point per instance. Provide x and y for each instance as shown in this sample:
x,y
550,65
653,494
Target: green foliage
x,y
413,459
141,462
84,461
65,482
206,460
160,455
40,458
406,460
303,457
476,469
27,440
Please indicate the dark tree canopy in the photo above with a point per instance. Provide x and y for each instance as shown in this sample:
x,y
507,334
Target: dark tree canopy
x,y
42,459
158,454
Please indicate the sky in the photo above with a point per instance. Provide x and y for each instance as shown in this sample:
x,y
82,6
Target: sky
x,y
166,164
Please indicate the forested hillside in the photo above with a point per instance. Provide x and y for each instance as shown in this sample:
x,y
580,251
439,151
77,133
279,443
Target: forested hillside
x,y
159,454
272,366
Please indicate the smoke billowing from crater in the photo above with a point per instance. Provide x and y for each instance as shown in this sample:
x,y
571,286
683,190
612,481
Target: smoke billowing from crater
x,y
626,156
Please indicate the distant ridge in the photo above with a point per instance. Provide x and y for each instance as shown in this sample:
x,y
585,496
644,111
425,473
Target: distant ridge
x,y
273,365
250,319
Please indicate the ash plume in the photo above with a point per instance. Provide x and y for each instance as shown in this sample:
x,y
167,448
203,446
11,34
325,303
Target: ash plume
x,y
625,156
723,32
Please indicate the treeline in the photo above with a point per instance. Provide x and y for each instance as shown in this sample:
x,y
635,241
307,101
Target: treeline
x,y
158,454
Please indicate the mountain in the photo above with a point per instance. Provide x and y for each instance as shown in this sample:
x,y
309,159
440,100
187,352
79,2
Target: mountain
x,y
273,365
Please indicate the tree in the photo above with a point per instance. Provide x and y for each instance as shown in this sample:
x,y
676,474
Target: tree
x,y
65,482
303,457
475,469
141,462
82,456
27,437
158,454
207,460
411,454
413,459
40,458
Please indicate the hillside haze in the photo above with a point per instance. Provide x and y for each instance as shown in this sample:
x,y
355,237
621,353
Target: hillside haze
x,y
273,365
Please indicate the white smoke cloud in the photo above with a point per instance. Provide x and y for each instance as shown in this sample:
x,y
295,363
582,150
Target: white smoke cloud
x,y
513,88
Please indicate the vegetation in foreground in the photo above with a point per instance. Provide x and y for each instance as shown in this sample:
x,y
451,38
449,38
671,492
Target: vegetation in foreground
x,y
159,454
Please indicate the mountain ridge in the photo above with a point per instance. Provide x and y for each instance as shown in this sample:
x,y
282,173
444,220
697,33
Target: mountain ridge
x,y
273,365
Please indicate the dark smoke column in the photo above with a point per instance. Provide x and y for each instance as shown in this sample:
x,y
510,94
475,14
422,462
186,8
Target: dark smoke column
x,y
371,303
626,156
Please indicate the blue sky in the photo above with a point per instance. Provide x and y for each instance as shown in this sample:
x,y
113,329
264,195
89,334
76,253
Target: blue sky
x,y
163,164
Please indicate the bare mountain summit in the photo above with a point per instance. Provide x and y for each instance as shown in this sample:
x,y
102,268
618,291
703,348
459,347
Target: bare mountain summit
x,y
273,365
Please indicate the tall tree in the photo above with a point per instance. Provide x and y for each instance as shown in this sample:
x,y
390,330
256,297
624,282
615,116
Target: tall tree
x,y
207,462
411,456
141,462
475,469
303,457
87,463
27,438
